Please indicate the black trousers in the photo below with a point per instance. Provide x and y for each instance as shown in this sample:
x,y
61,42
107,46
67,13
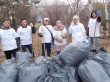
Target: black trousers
x,y
8,54
47,47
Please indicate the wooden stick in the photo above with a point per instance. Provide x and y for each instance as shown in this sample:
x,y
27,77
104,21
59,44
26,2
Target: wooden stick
x,y
43,42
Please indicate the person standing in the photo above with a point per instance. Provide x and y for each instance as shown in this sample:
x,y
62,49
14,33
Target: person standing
x,y
77,30
8,38
59,34
25,35
46,33
94,29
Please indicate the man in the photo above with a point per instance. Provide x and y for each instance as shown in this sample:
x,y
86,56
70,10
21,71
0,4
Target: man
x,y
46,31
8,39
25,35
77,30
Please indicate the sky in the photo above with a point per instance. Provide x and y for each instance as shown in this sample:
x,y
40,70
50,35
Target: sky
x,y
49,2
85,1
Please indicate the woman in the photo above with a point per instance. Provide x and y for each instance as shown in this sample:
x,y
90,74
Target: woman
x,y
77,30
59,35
94,29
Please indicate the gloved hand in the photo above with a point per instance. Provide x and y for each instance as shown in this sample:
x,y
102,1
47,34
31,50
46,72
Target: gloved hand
x,y
98,13
84,42
52,43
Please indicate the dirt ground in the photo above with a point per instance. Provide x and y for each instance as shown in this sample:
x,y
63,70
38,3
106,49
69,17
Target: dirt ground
x,y
37,46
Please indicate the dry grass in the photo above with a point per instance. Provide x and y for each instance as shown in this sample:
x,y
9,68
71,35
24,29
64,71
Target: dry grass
x,y
37,46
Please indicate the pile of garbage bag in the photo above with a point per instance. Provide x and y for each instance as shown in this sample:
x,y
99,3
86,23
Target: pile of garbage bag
x,y
74,64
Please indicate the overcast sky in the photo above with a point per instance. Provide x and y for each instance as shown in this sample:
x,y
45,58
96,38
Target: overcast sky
x,y
49,2
85,1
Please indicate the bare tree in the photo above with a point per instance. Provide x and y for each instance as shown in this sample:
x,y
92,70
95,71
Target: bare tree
x,y
76,6
56,11
15,10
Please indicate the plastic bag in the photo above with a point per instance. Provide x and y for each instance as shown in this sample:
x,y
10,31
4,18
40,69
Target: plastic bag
x,y
8,71
23,57
54,77
74,54
92,71
29,72
104,59
56,60
40,60
56,67
72,73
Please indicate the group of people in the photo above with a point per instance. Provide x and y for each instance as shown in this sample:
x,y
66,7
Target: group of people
x,y
11,40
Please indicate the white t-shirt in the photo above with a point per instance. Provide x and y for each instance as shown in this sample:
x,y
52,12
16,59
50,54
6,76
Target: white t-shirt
x,y
78,32
25,35
46,34
7,38
91,25
58,34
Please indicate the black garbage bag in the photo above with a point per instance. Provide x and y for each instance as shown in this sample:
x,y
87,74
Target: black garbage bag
x,y
43,60
8,71
74,54
72,72
29,72
50,62
92,71
54,77
104,59
40,60
56,60
23,57
56,67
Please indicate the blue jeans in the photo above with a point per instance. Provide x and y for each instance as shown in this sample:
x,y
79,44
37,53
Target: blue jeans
x,y
95,43
27,46
47,47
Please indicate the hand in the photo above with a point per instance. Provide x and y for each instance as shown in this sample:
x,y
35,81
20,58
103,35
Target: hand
x,y
56,37
98,13
84,42
63,36
31,24
52,43
19,46
60,40
42,34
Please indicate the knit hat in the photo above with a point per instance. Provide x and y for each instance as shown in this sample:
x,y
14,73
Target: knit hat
x,y
58,22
